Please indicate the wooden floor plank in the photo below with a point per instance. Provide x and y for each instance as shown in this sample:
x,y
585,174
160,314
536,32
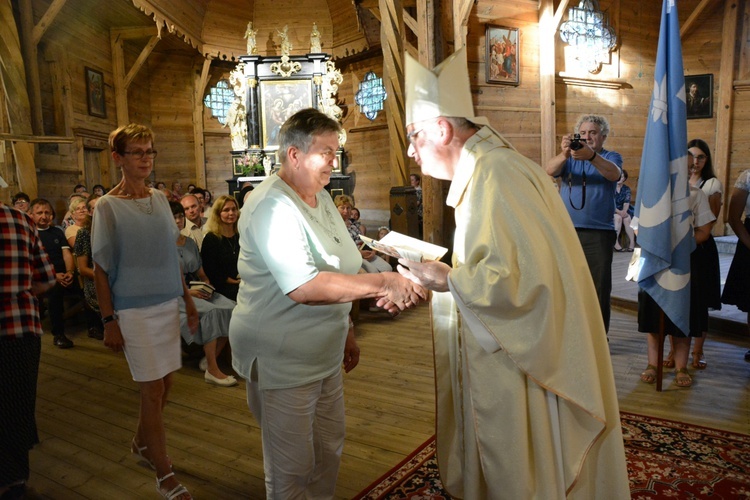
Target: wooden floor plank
x,y
88,406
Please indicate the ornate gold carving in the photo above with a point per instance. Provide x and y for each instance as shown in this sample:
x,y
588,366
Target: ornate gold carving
x,y
285,68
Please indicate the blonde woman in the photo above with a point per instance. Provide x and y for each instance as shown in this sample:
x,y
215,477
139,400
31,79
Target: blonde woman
x,y
79,213
221,246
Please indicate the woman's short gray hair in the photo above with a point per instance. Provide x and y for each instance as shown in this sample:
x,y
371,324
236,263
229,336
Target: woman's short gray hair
x,y
300,128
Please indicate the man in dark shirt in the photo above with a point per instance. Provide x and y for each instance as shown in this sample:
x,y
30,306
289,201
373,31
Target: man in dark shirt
x,y
57,248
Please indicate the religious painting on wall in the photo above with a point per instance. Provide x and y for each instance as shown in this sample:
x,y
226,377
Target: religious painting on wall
x,y
95,93
502,57
280,99
699,91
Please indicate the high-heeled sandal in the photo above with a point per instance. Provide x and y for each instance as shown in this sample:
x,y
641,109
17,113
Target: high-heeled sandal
x,y
699,362
138,451
669,362
174,492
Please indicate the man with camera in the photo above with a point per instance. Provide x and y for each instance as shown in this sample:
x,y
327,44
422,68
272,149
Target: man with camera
x,y
589,175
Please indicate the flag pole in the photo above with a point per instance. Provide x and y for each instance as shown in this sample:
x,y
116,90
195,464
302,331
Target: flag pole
x,y
660,355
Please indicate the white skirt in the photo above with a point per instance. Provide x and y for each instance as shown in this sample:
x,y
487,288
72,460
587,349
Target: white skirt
x,y
152,340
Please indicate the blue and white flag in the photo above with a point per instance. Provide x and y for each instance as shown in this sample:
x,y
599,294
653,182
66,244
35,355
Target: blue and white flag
x,y
662,205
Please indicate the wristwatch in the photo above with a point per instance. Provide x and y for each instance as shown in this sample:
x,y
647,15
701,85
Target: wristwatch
x,y
107,319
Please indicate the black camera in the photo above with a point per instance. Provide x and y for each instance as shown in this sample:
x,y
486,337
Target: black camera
x,y
576,142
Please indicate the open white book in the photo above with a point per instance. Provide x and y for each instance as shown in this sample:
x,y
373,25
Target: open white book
x,y
401,246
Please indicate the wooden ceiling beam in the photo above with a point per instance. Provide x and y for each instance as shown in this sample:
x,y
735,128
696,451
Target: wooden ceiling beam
x,y
559,13
724,108
134,32
38,139
199,88
46,21
392,39
138,64
410,22
694,17
13,80
461,11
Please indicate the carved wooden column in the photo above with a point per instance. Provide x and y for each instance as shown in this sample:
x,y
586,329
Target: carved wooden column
x,y
392,27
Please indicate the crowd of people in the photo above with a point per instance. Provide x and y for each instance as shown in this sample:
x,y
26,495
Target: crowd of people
x,y
272,277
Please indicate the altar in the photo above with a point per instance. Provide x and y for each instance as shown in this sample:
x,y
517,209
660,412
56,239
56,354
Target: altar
x,y
270,89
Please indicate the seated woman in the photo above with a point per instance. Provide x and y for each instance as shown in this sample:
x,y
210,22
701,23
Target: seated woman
x,y
356,222
370,260
221,247
623,213
85,265
214,310
78,213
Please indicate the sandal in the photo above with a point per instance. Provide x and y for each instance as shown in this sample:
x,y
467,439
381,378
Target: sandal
x,y
669,362
138,451
175,492
649,374
699,362
682,378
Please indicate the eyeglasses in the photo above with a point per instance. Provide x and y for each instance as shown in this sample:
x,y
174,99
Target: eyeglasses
x,y
20,202
412,136
150,154
697,157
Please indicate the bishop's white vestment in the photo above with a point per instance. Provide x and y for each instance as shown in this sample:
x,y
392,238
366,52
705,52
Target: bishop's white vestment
x,y
527,407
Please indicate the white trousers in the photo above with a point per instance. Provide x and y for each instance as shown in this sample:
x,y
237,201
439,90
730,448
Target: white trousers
x,y
302,430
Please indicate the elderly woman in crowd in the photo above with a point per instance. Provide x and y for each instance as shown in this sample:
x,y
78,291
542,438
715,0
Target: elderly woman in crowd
x,y
138,296
214,309
371,262
290,332
78,212
221,246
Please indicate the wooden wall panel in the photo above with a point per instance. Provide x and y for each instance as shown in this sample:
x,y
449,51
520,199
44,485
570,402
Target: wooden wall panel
x,y
171,117
348,37
367,146
267,19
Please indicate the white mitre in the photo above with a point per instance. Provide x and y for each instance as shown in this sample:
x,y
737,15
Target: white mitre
x,y
444,91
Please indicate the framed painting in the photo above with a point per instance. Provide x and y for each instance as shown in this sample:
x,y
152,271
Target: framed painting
x,y
280,99
95,93
502,55
699,90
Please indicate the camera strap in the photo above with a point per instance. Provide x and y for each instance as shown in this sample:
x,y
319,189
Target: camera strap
x,y
583,190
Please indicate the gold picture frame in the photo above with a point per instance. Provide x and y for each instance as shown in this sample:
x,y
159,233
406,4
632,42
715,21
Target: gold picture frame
x,y
280,99
502,55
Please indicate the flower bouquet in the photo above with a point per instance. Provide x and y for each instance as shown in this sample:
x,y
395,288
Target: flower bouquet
x,y
251,164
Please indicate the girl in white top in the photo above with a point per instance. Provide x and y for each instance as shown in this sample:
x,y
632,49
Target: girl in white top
x,y
708,274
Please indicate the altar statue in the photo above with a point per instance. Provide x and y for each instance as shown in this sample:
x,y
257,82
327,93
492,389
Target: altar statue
x,y
237,112
286,45
315,40
250,33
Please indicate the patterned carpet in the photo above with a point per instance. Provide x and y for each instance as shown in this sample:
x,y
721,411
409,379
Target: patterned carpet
x,y
666,459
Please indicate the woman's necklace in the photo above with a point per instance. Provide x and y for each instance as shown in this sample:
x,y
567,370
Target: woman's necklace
x,y
145,207
232,243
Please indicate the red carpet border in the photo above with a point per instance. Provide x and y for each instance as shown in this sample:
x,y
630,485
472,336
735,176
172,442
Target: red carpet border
x,y
666,459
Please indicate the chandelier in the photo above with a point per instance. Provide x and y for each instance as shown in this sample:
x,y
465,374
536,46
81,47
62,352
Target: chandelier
x,y
588,29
